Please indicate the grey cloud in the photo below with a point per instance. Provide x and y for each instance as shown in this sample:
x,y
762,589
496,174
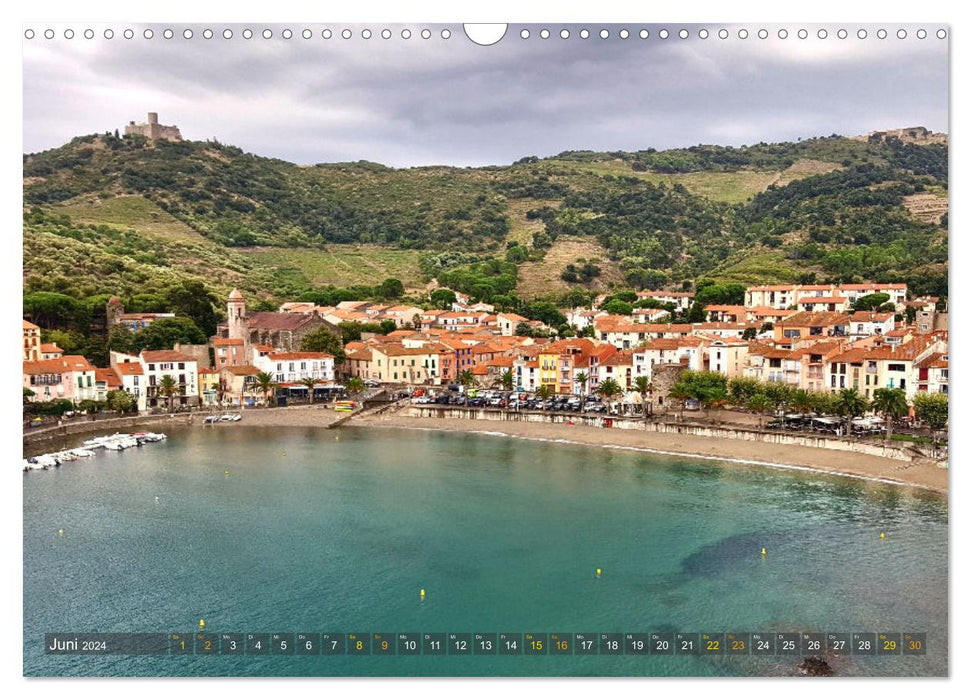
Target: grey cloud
x,y
431,101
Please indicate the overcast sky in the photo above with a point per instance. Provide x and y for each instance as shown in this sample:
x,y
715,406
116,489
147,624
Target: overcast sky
x,y
435,101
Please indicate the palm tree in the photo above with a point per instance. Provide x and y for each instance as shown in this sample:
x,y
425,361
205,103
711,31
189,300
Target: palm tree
x,y
715,398
892,403
355,385
759,404
467,380
850,404
168,387
310,383
264,380
680,394
608,389
507,381
644,387
581,378
544,393
802,401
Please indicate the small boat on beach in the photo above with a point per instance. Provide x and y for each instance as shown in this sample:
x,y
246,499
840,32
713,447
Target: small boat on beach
x,y
115,443
143,438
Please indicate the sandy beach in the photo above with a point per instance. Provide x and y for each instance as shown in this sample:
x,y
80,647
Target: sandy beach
x,y
921,475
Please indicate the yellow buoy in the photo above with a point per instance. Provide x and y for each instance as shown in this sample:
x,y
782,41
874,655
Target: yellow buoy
x,y
337,438
598,572
763,551
60,532
226,473
422,594
284,454
882,536
202,624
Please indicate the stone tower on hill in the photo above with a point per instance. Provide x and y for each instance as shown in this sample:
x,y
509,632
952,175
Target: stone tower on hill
x,y
153,130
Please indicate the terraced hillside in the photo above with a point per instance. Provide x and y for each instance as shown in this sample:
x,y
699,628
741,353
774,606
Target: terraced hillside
x,y
128,216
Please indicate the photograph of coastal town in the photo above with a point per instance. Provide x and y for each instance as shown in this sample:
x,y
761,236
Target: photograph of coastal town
x,y
415,350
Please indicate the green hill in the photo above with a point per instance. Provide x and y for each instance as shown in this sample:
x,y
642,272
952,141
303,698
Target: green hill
x,y
125,216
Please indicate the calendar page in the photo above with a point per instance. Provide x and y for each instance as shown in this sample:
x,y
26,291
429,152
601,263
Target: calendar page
x,y
485,350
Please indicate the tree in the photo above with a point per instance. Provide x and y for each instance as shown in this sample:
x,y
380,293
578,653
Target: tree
x,y
507,380
265,383
467,380
618,307
582,378
310,383
715,398
609,389
28,394
644,388
823,402
892,403
323,340
544,311
871,302
545,393
850,404
50,309
121,339
168,387
759,404
646,278
931,409
120,400
749,333
802,401
733,294
680,393
391,288
696,314
524,329
779,393
355,385
164,333
741,389
194,300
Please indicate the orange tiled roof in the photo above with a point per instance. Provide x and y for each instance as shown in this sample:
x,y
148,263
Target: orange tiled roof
x,y
129,368
67,363
242,370
165,356
815,318
107,375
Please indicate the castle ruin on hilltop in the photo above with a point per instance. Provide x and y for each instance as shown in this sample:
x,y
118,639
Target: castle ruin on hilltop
x,y
153,130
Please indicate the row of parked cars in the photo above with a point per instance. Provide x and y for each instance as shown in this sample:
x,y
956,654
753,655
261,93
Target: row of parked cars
x,y
518,400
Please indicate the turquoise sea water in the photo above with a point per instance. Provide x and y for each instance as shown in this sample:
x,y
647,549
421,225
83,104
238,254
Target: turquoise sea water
x,y
312,534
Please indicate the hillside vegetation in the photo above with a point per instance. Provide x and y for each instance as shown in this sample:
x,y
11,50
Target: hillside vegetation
x,y
121,215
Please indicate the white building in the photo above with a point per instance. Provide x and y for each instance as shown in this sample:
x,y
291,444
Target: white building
x,y
293,367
